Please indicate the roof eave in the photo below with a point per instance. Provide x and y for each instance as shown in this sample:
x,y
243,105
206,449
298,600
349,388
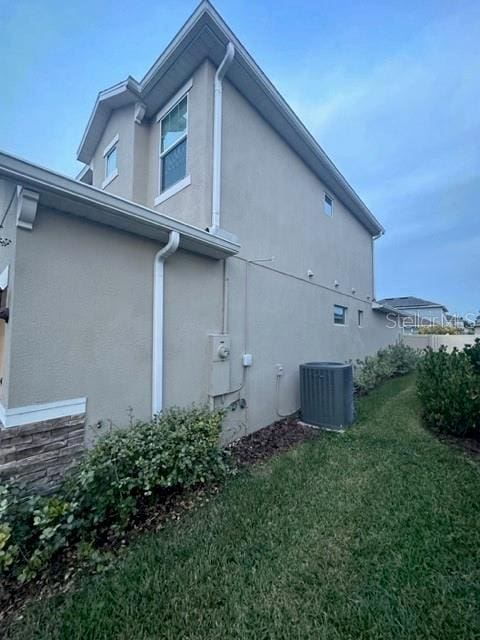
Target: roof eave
x,y
77,198
126,91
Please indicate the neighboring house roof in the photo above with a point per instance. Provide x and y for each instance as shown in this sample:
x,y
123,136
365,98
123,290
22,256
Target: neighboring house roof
x,y
80,199
205,35
380,307
411,302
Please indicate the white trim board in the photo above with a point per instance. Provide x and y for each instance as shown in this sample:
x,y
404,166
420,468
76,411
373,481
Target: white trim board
x,y
110,145
18,416
4,278
109,178
178,186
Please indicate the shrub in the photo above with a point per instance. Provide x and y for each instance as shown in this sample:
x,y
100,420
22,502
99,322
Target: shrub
x,y
449,389
177,449
32,529
395,360
439,330
473,353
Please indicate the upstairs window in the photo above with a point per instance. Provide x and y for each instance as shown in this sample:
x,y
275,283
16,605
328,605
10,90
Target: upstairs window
x,y
328,205
360,318
339,314
110,156
173,146
111,162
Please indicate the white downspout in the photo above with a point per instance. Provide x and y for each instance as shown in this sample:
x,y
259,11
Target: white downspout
x,y
374,265
158,320
217,136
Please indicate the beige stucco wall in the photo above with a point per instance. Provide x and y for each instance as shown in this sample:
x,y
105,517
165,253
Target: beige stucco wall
x,y
121,123
7,259
193,310
82,325
288,321
274,204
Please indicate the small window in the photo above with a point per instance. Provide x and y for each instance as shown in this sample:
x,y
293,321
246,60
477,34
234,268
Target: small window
x,y
328,205
173,146
111,162
339,314
360,318
111,167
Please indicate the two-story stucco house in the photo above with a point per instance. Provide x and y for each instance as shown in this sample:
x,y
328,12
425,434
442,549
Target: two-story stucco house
x,y
208,248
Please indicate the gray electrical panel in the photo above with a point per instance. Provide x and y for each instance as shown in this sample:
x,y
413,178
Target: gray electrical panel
x,y
219,364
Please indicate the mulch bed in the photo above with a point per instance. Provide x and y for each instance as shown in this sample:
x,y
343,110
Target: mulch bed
x,y
61,575
265,443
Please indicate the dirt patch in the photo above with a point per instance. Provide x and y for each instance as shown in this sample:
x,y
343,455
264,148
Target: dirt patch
x,y
267,442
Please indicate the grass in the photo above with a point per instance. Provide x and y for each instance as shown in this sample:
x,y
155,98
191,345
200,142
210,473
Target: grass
x,y
371,534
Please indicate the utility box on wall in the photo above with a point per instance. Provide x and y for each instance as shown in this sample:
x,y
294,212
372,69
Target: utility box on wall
x,y
219,364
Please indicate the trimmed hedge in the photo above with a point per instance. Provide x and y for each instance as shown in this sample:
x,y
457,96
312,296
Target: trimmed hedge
x,y
449,389
177,449
395,360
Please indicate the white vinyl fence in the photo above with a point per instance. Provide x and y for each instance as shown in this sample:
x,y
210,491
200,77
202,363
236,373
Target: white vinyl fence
x,y
435,341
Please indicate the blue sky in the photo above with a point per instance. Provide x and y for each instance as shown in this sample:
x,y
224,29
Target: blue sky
x,y
390,89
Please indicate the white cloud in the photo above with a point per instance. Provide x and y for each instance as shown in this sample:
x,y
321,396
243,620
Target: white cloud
x,y
412,123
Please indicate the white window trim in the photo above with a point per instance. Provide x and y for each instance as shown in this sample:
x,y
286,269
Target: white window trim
x,y
4,278
326,194
173,101
175,188
110,147
109,178
184,182
111,144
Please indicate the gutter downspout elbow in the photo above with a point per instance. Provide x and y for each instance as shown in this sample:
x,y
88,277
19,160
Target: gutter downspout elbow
x,y
217,135
170,248
158,319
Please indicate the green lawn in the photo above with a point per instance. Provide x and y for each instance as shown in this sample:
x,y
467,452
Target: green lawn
x,y
371,534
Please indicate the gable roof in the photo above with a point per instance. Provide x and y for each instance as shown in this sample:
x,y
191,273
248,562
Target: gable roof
x,y
410,302
206,35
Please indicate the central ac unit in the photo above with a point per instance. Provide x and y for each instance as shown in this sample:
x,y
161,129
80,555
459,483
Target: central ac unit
x,y
326,394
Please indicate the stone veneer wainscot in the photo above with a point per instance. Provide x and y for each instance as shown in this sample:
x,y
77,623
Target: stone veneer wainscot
x,y
39,454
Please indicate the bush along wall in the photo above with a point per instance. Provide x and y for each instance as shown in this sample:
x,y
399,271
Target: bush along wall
x,y
449,390
395,360
125,468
